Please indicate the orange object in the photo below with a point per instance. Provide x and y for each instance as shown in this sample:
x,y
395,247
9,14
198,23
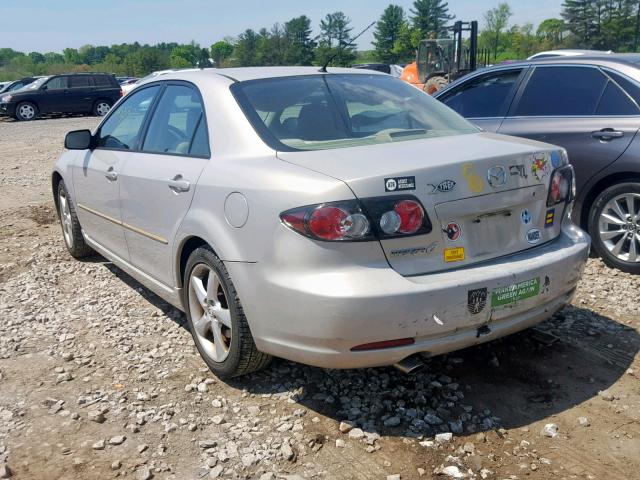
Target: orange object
x,y
410,75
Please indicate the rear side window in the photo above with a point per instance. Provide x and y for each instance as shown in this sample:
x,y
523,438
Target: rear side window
x,y
630,87
487,96
121,131
57,83
79,81
177,124
562,91
101,81
616,102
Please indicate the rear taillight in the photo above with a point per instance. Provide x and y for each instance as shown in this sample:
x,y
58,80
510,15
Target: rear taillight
x,y
121,93
562,186
352,220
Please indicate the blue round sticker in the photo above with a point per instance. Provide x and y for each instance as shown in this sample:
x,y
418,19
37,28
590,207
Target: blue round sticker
x,y
526,216
556,159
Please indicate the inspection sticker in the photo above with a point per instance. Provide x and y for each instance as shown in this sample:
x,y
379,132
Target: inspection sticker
x,y
513,293
454,254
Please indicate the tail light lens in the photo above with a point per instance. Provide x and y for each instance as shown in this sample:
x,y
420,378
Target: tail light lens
x,y
353,220
121,93
562,186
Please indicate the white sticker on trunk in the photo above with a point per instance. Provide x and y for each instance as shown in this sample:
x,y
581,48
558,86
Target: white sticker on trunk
x,y
534,236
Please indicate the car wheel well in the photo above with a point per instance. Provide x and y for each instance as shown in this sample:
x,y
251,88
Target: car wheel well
x,y
188,247
600,187
56,178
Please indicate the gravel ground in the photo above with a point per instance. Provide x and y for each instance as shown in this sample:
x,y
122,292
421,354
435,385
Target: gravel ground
x,y
99,378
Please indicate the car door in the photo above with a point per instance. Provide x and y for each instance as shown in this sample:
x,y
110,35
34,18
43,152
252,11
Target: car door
x,y
53,95
79,95
579,108
96,174
157,185
485,98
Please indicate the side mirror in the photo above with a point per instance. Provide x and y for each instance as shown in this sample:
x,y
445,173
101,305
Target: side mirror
x,y
78,140
43,88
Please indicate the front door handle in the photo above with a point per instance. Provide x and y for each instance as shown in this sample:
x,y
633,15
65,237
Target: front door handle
x,y
111,175
179,184
607,134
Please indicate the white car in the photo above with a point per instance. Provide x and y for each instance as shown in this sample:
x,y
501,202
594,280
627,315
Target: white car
x,y
341,219
567,53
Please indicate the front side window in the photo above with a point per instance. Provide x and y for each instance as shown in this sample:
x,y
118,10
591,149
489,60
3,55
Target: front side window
x,y
57,83
484,97
342,110
79,81
562,91
177,124
121,130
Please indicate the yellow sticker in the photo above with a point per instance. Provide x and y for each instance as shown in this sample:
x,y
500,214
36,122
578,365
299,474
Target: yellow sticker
x,y
475,181
454,254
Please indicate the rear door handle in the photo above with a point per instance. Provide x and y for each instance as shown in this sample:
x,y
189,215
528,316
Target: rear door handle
x,y
111,175
179,184
607,134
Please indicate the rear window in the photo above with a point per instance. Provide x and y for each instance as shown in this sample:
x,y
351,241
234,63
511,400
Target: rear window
x,y
102,81
562,91
340,110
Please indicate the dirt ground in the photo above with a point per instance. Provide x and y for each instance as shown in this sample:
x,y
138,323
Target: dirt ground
x,y
99,378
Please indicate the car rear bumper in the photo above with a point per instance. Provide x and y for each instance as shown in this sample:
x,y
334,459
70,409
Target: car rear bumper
x,y
317,318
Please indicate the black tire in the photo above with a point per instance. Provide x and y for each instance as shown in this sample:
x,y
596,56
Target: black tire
x,y
243,356
98,109
599,245
26,111
74,241
434,84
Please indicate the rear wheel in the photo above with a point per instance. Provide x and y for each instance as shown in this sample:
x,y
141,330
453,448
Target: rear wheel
x,y
216,319
101,108
614,225
26,111
434,84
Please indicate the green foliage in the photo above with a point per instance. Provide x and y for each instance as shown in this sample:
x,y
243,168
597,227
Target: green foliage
x,y
335,44
387,33
431,18
220,51
496,20
299,46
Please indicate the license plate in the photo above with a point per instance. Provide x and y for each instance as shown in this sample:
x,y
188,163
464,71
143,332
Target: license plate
x,y
514,293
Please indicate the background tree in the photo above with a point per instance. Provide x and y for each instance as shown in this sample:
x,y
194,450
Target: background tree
x,y
387,33
335,40
245,49
220,51
496,20
431,17
299,43
551,32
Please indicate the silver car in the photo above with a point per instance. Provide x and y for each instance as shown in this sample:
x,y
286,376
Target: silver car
x,y
340,219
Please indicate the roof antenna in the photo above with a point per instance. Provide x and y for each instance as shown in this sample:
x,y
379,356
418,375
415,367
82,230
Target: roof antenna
x,y
323,69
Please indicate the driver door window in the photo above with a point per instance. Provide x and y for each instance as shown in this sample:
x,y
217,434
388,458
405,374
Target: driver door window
x,y
121,130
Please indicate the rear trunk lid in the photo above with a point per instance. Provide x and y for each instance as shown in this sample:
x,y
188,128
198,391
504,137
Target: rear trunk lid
x,y
485,194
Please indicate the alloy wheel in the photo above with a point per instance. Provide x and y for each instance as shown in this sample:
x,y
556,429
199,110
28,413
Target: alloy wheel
x,y
65,219
619,227
27,111
102,108
210,312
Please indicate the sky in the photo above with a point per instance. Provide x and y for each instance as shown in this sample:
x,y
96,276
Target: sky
x,y
52,25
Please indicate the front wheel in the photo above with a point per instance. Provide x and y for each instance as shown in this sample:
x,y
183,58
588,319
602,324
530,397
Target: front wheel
x,y
71,231
216,319
614,225
101,108
26,111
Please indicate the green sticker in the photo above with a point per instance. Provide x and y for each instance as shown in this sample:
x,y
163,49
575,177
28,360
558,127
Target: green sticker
x,y
513,293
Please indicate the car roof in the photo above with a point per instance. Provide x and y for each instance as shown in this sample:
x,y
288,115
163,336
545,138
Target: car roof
x,y
243,74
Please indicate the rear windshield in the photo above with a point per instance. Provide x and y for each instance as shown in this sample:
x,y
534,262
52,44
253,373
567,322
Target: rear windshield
x,y
341,110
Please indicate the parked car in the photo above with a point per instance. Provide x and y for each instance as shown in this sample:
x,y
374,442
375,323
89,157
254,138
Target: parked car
x,y
588,105
16,84
70,93
394,70
341,220
125,80
567,53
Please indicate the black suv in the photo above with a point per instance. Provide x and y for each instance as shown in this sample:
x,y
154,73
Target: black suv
x,y
70,93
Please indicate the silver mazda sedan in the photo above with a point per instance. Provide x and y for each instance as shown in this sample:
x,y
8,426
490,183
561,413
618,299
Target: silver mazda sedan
x,y
341,219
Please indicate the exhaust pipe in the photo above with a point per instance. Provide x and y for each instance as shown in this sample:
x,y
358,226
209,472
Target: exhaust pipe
x,y
410,364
